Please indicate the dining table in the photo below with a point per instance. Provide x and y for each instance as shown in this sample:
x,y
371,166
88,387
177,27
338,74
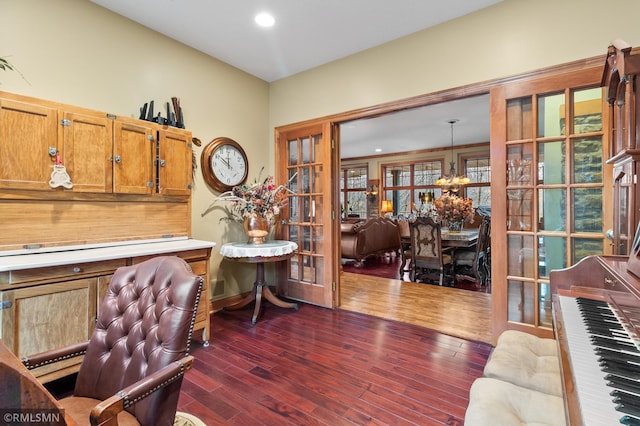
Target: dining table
x,y
462,238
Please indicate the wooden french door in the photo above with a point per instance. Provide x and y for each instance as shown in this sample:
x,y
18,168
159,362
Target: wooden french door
x,y
307,159
550,190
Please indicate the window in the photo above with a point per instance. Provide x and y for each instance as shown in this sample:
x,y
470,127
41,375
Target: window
x,y
411,187
353,184
478,170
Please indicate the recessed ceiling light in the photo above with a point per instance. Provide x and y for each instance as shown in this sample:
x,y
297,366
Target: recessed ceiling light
x,y
378,149
265,19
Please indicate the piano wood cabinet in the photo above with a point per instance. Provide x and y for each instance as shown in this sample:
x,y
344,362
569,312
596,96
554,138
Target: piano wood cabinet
x,y
48,307
102,153
619,78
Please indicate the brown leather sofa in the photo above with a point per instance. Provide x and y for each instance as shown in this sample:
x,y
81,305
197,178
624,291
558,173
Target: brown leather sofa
x,y
372,236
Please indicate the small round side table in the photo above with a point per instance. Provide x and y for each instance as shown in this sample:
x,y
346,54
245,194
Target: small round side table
x,y
270,251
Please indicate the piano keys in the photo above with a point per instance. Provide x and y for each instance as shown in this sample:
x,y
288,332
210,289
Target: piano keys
x,y
596,317
594,378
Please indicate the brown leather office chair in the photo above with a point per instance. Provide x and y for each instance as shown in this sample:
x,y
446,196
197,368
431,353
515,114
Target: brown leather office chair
x,y
134,364
426,253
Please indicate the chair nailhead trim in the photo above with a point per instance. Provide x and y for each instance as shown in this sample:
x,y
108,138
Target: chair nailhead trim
x,y
30,366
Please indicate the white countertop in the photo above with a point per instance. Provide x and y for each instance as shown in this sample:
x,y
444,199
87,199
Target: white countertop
x,y
66,255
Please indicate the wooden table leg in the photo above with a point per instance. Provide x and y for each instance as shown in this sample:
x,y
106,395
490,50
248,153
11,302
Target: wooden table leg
x,y
260,290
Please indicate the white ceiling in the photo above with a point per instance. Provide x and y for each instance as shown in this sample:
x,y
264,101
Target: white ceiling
x,y
418,128
309,33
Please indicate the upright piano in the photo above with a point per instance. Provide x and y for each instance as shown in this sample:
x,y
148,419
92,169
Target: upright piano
x,y
596,312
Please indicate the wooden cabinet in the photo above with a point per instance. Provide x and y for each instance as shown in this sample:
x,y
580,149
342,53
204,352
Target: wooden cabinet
x,y
619,77
102,153
626,205
86,150
28,136
130,199
54,306
175,162
134,149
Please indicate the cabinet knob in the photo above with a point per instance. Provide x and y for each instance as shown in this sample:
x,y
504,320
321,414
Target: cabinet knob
x,y
162,163
117,159
76,269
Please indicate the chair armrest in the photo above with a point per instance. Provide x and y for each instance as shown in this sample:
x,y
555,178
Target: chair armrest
x,y
346,227
109,408
54,355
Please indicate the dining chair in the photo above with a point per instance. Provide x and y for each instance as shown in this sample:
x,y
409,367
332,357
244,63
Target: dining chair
x,y
405,241
135,361
476,263
429,260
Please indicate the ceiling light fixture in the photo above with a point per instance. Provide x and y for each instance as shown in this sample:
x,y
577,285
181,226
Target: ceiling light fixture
x,y
265,19
452,182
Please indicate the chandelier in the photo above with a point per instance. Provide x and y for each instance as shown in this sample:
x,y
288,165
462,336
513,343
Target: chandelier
x,y
452,182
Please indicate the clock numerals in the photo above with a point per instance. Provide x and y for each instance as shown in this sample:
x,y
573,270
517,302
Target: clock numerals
x,y
224,164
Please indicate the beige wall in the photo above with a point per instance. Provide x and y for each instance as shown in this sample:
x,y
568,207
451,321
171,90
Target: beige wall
x,y
509,38
75,52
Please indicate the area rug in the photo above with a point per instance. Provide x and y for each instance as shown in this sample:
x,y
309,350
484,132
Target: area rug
x,y
184,419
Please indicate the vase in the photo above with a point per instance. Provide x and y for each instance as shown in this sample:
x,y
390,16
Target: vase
x,y
257,228
454,225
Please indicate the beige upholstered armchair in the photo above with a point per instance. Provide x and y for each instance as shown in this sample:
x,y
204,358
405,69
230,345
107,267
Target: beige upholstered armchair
x,y
135,361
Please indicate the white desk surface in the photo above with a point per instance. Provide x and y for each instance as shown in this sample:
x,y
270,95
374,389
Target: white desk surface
x,y
66,255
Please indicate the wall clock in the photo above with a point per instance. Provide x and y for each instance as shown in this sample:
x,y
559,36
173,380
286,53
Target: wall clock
x,y
224,164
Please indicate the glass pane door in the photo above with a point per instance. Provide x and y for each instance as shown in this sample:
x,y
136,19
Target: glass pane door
x,y
306,164
552,152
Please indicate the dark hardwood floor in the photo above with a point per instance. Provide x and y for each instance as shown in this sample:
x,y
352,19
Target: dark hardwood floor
x,y
333,367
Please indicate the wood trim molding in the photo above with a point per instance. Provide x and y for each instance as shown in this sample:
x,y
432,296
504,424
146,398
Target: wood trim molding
x,y
445,95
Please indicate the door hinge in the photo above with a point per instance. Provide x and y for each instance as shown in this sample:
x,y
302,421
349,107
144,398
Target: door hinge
x,y
333,286
333,215
6,304
65,122
333,143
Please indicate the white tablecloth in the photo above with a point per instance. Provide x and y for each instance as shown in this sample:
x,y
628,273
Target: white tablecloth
x,y
268,249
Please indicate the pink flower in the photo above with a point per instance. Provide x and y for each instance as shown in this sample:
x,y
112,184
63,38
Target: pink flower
x,y
454,208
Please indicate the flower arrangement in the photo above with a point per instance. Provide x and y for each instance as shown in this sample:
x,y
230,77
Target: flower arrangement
x,y
453,208
262,198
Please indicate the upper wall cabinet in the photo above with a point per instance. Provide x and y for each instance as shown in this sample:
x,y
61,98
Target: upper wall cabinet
x,y
100,153
28,144
134,147
175,161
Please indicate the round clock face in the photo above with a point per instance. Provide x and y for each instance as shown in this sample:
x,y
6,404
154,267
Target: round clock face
x,y
224,164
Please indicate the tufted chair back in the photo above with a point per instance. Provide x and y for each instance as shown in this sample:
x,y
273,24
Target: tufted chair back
x,y
145,322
